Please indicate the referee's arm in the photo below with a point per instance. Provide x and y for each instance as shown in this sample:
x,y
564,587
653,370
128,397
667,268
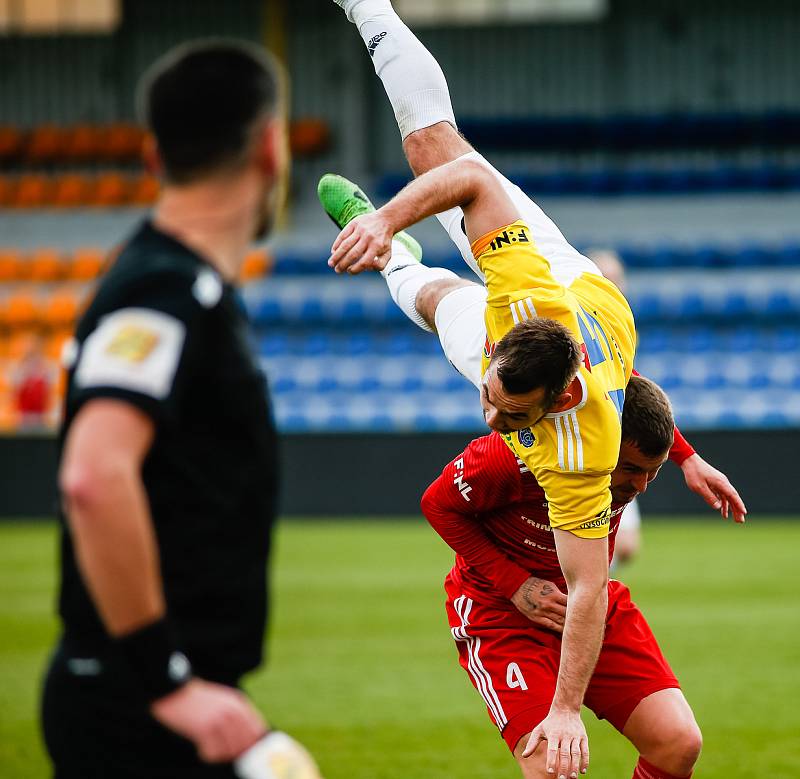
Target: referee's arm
x,y
108,514
117,553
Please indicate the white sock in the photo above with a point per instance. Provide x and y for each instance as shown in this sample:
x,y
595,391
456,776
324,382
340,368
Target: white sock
x,y
405,277
412,78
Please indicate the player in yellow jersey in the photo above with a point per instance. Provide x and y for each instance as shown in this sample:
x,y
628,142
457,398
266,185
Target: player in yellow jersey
x,y
559,417
558,345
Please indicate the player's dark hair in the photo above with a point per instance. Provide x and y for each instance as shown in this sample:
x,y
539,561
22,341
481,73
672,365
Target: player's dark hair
x,y
202,101
537,353
647,420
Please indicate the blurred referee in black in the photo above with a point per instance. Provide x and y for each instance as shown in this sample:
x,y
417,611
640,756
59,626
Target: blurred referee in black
x,y
168,450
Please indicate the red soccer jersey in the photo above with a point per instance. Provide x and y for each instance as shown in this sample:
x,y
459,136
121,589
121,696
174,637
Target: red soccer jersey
x,y
491,511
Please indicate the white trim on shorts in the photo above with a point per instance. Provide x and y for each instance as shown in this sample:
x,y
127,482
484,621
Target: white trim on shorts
x,y
479,674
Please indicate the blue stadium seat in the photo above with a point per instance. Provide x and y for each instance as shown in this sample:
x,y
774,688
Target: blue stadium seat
x,y
781,305
730,419
311,312
274,344
369,384
647,307
752,255
267,312
401,343
789,255
283,383
359,343
653,340
691,307
714,381
412,384
736,306
742,339
315,344
700,339
707,256
785,339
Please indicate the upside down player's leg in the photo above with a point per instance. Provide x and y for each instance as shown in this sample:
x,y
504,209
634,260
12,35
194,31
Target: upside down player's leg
x,y
417,89
434,299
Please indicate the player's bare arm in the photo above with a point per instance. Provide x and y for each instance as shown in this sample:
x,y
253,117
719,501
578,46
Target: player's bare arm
x,y
585,565
713,487
109,519
366,242
705,480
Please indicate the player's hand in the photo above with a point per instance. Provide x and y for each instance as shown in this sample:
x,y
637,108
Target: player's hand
x,y
364,244
713,487
542,603
220,721
567,743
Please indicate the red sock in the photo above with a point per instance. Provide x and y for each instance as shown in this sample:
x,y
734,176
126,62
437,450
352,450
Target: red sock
x,y
645,770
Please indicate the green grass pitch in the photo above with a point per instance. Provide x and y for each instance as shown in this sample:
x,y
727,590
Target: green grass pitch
x,y
363,670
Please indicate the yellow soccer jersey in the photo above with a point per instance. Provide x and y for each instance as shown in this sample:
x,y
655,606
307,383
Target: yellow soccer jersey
x,y
571,453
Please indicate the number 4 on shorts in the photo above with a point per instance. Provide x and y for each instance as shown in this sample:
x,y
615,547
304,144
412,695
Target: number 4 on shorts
x,y
514,677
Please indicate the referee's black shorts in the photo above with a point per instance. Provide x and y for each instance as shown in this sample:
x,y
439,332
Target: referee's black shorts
x,y
95,727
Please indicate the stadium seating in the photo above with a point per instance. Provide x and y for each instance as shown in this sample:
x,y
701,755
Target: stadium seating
x,y
723,340
340,356
674,179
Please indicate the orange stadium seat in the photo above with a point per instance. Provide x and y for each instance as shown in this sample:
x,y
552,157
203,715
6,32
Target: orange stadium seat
x,y
19,344
45,265
60,309
33,191
45,144
72,189
54,346
8,413
8,188
144,190
11,141
308,137
21,309
84,142
123,143
11,265
87,264
256,265
5,377
111,189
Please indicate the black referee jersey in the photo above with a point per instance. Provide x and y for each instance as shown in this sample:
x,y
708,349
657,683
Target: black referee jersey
x,y
168,335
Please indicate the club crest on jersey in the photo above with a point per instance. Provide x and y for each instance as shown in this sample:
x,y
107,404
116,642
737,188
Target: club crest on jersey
x,y
132,343
488,348
526,437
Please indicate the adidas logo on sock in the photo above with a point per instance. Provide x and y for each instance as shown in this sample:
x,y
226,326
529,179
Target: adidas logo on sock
x,y
374,41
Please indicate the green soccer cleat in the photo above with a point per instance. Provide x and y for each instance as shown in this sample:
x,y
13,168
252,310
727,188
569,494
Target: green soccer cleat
x,y
343,201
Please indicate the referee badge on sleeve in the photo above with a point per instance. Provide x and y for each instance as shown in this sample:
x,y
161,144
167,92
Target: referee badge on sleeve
x,y
135,349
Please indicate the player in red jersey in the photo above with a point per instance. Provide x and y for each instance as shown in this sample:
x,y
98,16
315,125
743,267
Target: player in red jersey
x,y
506,601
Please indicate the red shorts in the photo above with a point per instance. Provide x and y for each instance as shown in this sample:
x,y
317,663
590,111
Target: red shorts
x,y
513,664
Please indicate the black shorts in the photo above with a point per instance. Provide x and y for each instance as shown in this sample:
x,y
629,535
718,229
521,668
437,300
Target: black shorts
x,y
95,727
